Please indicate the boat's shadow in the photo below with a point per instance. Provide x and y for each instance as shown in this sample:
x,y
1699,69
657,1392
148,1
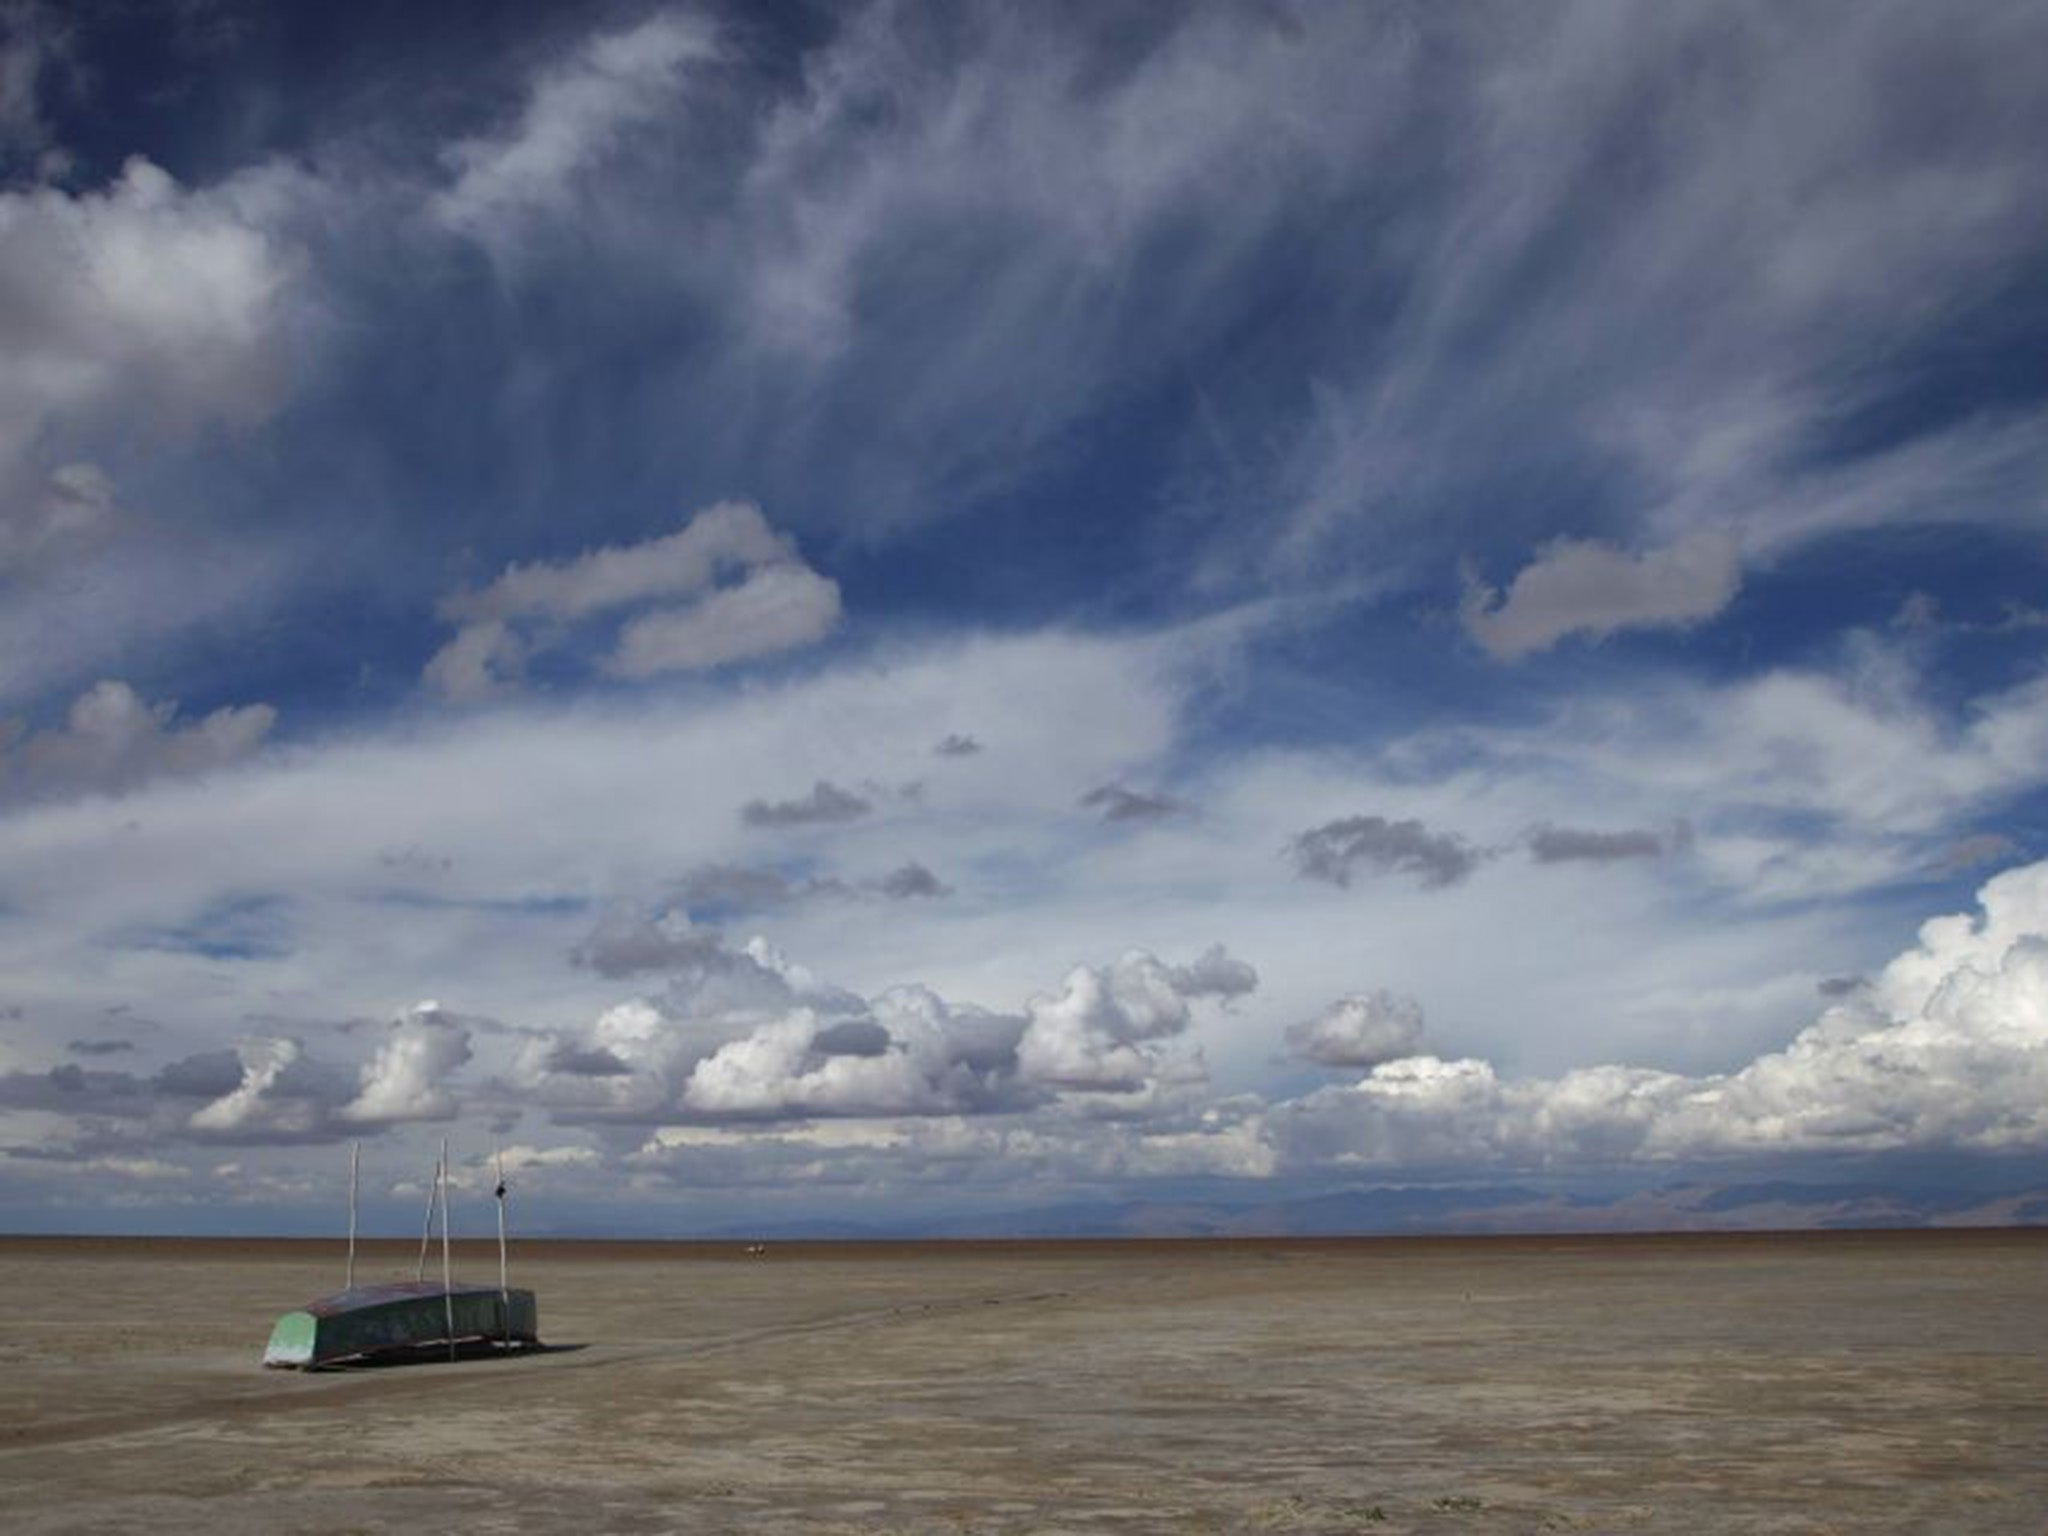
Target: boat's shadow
x,y
441,1354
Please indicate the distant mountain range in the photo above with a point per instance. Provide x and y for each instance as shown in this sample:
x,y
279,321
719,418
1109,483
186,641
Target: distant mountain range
x,y
1769,1205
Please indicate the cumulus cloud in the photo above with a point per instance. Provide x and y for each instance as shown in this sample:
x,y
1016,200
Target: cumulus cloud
x,y
1215,973
763,1039
796,1066
725,587
1105,1027
1582,587
826,803
1946,1050
1361,1030
282,1095
407,1077
1117,803
140,300
112,741
628,943
1339,850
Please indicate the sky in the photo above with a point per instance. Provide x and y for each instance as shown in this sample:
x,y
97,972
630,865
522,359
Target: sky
x,y
901,613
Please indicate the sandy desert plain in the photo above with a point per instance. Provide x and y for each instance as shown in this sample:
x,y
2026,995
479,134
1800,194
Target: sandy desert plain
x,y
1847,1382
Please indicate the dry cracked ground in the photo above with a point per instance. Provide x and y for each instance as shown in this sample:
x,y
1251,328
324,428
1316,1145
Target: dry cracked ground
x,y
1842,1382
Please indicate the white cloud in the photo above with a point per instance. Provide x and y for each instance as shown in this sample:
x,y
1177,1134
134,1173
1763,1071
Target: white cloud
x,y
1947,1052
113,741
283,1095
772,610
779,1069
1105,1026
684,620
483,661
143,300
1580,587
1692,344
525,1159
731,536
407,1077
1361,1030
577,112
1587,961
138,316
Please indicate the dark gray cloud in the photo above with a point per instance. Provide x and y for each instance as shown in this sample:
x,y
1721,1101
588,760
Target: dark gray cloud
x,y
169,1095
1568,845
910,881
572,1060
631,943
1581,587
826,802
1117,803
75,1090
1841,986
281,1096
1339,850
851,1037
113,740
208,1075
99,1047
1215,973
957,746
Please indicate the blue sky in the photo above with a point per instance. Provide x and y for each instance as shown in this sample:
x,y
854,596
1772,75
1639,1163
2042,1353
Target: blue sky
x,y
891,608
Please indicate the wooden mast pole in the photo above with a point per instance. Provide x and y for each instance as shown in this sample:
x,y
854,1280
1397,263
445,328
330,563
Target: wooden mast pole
x,y
419,1271
447,1270
504,1282
355,1163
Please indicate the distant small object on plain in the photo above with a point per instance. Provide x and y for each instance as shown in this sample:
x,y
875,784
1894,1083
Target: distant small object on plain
x,y
757,1250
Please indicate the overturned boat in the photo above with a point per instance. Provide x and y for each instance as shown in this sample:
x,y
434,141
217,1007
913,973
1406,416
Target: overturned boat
x,y
404,1317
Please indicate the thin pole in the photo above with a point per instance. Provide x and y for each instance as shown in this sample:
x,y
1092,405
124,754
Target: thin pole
x,y
355,1163
447,1273
427,1230
504,1283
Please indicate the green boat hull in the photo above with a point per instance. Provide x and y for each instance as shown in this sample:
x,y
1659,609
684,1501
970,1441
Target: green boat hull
x,y
383,1319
